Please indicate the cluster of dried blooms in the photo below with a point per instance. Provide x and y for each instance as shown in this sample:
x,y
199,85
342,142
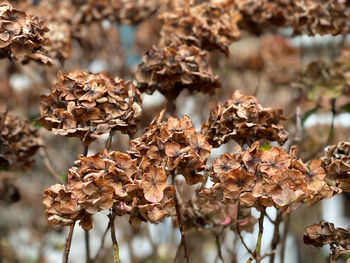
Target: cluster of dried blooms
x,y
170,69
324,81
207,26
337,165
325,233
305,17
244,120
202,213
19,141
22,37
173,145
260,179
9,192
110,181
178,61
84,105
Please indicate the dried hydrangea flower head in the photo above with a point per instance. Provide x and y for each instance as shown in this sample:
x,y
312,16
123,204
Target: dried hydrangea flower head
x,y
84,105
174,145
244,120
203,212
305,17
337,164
207,26
170,69
259,178
19,141
22,36
110,181
325,233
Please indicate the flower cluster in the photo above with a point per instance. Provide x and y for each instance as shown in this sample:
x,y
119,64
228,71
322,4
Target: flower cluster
x,y
110,181
337,165
173,145
22,37
267,178
306,17
208,26
170,69
19,141
325,233
202,212
84,105
243,119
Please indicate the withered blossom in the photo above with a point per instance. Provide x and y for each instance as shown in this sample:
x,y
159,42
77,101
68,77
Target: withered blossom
x,y
208,26
85,105
173,145
337,164
170,69
244,120
19,141
110,180
305,17
272,178
22,37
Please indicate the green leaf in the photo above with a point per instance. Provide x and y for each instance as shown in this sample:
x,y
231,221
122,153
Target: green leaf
x,y
265,147
307,114
35,123
346,107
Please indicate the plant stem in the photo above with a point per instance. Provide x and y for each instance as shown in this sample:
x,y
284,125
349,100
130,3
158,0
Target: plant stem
x,y
68,243
181,227
86,149
114,239
256,254
102,243
218,247
240,234
276,235
109,140
87,245
2,124
284,236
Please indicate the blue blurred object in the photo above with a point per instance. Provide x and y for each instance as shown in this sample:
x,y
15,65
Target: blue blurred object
x,y
127,39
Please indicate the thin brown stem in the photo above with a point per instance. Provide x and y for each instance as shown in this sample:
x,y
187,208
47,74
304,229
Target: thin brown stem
x,y
218,246
256,254
276,235
112,216
86,150
240,234
181,227
103,238
87,246
2,123
47,162
109,141
284,236
68,244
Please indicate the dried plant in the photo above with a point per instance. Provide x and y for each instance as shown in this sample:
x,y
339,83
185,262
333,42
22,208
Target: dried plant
x,y
85,105
19,141
244,120
22,36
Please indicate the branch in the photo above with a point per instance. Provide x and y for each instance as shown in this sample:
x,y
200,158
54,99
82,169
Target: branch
x,y
68,243
112,216
256,254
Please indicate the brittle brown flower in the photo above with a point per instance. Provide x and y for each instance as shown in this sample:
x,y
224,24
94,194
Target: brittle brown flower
x,y
153,184
244,120
170,69
19,141
22,37
85,105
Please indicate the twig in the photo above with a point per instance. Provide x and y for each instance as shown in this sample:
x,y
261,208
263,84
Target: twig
x,y
102,243
47,162
256,254
87,246
276,235
86,150
218,246
112,216
240,234
284,236
109,140
2,124
181,227
334,112
68,243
